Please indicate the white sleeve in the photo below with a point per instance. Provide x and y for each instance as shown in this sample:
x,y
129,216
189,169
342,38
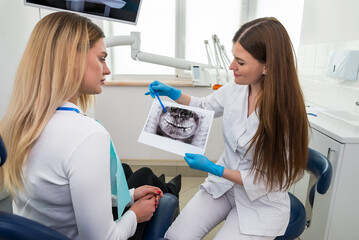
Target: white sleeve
x,y
129,204
132,192
89,180
254,190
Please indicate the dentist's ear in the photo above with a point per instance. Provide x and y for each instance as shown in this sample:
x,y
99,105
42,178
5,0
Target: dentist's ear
x,y
264,70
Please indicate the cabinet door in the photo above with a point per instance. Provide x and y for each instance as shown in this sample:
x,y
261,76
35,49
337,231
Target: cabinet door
x,y
344,222
321,214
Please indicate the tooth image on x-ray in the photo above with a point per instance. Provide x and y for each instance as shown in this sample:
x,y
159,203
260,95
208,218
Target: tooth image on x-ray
x,y
179,124
177,128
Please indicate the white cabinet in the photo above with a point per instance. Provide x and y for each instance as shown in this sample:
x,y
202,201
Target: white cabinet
x,y
334,214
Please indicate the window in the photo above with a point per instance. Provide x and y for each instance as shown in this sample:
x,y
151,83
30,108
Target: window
x,y
174,28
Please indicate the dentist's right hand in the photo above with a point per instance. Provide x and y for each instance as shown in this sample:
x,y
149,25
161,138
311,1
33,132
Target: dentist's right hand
x,y
200,162
163,90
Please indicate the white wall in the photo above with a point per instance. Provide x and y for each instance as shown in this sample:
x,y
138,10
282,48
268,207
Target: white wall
x,y
16,24
288,12
328,25
330,21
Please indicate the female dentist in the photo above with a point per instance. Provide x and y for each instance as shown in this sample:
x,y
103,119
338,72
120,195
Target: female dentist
x,y
265,130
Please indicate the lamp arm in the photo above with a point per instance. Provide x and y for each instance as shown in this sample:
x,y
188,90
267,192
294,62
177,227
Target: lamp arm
x,y
119,40
135,41
168,61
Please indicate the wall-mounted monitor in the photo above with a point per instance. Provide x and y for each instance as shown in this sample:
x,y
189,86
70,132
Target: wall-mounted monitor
x,y
125,11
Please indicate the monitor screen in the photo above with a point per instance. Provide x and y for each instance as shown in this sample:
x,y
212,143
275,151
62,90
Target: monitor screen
x,y
125,11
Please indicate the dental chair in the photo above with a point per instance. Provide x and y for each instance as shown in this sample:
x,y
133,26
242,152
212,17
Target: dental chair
x,y
15,227
321,168
3,153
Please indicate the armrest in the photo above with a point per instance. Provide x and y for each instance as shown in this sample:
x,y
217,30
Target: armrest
x,y
16,227
322,169
162,218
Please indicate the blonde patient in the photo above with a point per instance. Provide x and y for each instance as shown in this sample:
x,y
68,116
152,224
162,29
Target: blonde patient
x,y
58,168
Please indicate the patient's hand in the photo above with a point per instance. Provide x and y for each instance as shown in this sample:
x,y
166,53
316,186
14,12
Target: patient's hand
x,y
144,208
145,190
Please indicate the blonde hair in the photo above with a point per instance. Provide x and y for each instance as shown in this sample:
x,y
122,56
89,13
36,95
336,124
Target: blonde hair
x,y
49,74
281,141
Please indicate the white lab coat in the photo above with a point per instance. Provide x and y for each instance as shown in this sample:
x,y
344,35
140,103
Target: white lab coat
x,y
67,180
259,212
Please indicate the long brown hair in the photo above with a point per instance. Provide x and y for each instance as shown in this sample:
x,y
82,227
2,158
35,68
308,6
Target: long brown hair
x,y
50,73
281,141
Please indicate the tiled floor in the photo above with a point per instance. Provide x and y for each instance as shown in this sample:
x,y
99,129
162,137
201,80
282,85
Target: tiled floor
x,y
188,190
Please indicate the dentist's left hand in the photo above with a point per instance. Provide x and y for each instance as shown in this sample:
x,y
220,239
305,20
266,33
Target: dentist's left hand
x,y
200,162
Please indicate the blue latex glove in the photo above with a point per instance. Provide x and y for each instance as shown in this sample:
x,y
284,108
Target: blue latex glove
x,y
163,90
200,162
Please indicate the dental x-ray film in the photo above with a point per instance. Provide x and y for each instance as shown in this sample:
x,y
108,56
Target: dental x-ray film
x,y
182,129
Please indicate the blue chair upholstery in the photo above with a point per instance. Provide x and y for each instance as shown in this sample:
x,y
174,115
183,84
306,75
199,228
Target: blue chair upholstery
x,y
3,154
322,169
14,227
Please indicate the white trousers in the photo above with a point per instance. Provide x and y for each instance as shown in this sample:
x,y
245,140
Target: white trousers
x,y
203,213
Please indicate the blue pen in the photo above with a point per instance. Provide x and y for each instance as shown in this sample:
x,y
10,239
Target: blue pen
x,y
158,97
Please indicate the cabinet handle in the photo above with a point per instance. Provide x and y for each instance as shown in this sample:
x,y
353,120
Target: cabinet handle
x,y
330,150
